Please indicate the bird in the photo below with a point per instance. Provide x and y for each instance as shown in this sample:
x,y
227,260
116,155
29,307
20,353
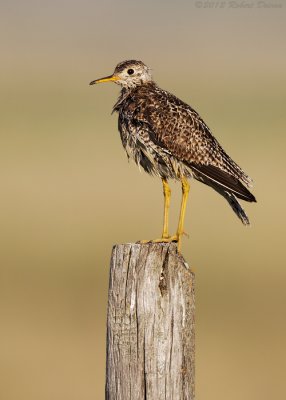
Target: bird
x,y
167,138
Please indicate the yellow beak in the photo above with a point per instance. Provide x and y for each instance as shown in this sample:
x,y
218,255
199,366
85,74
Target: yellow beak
x,y
111,78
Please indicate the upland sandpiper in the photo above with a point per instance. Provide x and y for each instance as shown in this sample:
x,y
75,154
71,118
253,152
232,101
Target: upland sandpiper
x,y
168,139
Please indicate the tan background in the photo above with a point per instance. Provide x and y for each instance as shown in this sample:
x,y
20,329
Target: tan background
x,y
68,193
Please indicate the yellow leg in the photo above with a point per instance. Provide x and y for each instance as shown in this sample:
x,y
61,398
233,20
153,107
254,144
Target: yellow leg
x,y
167,197
180,230
185,193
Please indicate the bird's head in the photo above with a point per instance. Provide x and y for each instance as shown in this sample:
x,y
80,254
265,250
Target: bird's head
x,y
128,74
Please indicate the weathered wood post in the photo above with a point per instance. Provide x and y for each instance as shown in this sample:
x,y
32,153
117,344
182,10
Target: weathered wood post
x,y
150,324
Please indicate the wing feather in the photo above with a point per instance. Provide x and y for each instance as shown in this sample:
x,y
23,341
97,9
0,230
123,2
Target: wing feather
x,y
180,131
224,180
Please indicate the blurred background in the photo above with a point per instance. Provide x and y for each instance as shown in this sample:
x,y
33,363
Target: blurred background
x,y
68,193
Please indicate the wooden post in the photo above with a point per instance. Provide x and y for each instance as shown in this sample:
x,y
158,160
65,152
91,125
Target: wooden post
x,y
150,324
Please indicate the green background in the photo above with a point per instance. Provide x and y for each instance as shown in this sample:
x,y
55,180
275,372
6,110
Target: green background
x,y
68,193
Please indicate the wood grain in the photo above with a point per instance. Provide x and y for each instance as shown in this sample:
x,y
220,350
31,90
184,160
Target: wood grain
x,y
150,324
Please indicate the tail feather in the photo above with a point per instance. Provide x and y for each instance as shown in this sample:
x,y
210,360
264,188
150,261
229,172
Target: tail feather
x,y
233,202
229,193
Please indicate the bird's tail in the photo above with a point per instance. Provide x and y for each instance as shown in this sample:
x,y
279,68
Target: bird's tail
x,y
228,187
233,202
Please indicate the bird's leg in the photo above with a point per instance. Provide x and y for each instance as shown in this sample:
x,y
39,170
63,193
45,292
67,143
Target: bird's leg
x,y
167,197
180,230
166,238
185,193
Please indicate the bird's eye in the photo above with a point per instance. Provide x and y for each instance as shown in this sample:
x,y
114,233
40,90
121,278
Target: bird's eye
x,y
130,71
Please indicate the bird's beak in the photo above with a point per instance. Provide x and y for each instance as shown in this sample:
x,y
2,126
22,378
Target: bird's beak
x,y
110,78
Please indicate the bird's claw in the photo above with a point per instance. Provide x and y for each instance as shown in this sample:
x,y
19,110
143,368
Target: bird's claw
x,y
169,239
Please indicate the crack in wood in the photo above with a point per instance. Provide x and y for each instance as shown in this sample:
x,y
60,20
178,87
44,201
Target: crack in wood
x,y
150,324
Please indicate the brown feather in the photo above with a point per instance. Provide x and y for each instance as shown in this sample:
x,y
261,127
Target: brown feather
x,y
224,180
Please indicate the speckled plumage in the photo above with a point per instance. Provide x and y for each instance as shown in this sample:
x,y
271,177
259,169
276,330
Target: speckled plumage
x,y
167,137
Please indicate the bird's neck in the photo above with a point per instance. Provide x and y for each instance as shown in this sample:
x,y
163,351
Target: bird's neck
x,y
127,92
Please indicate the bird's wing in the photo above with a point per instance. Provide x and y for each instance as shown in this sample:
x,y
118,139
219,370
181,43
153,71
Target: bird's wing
x,y
177,128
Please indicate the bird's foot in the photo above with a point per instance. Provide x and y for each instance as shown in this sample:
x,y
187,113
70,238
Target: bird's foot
x,y
168,239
